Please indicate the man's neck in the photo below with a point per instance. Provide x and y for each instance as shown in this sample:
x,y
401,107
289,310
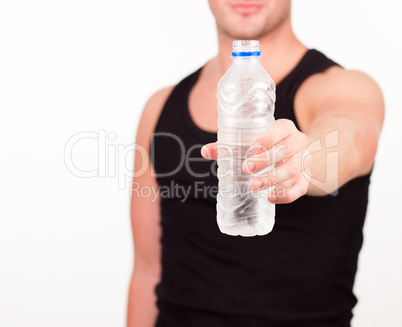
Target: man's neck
x,y
280,52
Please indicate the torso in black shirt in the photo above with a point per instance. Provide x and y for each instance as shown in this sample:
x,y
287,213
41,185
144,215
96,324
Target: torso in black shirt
x,y
299,275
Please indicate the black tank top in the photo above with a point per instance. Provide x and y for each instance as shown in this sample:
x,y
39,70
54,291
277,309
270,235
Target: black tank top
x,y
299,275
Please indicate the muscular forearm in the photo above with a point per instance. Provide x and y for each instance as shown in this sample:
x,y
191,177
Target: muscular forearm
x,y
335,156
142,310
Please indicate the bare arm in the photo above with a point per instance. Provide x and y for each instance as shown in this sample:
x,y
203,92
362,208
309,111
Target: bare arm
x,y
339,112
145,219
345,113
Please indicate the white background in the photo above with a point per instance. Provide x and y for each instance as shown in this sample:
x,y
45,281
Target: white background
x,y
75,66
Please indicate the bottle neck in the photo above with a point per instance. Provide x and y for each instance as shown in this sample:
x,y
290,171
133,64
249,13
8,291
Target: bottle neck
x,y
246,52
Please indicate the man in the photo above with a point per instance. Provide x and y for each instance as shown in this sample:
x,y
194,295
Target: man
x,y
302,273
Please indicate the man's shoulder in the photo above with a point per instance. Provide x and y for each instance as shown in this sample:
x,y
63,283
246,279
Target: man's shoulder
x,y
336,87
340,76
338,82
157,100
151,113
155,104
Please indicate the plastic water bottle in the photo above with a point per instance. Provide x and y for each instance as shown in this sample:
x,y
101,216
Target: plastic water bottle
x,y
246,99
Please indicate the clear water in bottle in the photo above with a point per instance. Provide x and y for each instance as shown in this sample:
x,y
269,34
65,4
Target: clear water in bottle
x,y
246,98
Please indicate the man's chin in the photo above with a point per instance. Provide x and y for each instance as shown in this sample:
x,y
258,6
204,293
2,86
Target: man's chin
x,y
245,33
244,28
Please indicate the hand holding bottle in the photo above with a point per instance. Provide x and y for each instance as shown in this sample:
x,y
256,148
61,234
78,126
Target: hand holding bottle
x,y
283,146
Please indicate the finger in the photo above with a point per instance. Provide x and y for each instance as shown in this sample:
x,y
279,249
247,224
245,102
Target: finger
x,y
255,186
257,163
280,130
278,153
210,151
287,170
288,194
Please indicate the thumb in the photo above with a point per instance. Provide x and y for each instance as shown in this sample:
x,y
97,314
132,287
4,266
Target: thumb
x,y
210,151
